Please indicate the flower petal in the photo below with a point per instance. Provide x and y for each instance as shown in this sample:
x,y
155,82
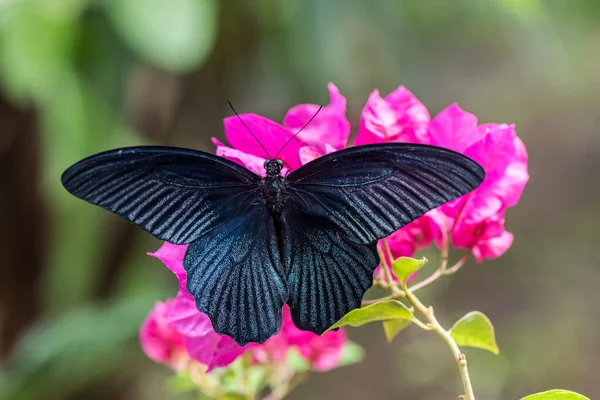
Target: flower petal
x,y
400,117
330,125
172,256
486,239
185,317
160,341
252,162
272,136
453,129
203,344
504,159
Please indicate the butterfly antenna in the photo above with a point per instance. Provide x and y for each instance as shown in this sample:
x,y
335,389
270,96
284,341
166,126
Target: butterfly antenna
x,y
305,125
253,135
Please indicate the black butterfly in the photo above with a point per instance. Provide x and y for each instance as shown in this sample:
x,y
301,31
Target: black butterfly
x,y
308,239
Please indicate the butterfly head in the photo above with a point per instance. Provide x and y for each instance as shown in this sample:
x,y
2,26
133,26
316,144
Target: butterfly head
x,y
273,167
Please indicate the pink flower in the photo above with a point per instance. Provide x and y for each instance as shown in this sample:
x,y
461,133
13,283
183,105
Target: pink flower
x,y
329,128
454,129
172,256
252,162
486,239
159,339
323,352
202,342
400,117
502,154
327,132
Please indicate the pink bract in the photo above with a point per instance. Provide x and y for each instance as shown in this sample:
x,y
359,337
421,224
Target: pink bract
x,y
329,127
202,342
323,352
399,117
454,129
486,239
502,155
160,340
172,256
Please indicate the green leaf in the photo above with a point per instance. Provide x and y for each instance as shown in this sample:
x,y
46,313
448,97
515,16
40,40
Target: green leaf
x,y
384,310
475,330
393,327
352,353
556,394
176,35
404,267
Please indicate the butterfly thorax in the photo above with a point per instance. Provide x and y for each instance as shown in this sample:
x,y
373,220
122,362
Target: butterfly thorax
x,y
272,186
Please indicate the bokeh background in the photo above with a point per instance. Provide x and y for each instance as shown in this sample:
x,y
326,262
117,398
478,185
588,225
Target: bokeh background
x,y
81,76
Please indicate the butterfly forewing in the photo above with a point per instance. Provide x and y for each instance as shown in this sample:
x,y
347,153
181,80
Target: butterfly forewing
x,y
175,194
369,192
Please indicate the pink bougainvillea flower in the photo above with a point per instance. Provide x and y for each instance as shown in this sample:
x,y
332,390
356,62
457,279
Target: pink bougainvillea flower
x,y
454,129
514,177
202,342
172,256
502,154
323,352
487,239
400,117
252,162
159,339
328,128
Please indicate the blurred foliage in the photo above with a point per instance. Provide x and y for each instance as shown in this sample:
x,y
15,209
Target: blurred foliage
x,y
100,74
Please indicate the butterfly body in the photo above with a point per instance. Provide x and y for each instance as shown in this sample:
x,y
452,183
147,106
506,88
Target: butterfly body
x,y
255,243
273,186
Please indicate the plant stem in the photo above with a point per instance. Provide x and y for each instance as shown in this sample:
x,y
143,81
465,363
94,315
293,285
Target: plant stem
x,y
441,271
388,273
435,326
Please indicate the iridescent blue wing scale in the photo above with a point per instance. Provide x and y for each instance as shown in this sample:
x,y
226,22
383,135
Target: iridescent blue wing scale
x,y
339,205
175,194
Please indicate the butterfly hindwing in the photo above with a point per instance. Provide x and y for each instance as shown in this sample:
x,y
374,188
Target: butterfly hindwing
x,y
369,192
327,274
235,274
175,194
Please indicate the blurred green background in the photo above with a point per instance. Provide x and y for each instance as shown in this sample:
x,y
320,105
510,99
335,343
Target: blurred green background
x,y
81,76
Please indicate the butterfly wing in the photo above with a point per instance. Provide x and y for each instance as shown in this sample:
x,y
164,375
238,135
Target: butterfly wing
x,y
327,274
369,192
175,194
339,205
236,276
